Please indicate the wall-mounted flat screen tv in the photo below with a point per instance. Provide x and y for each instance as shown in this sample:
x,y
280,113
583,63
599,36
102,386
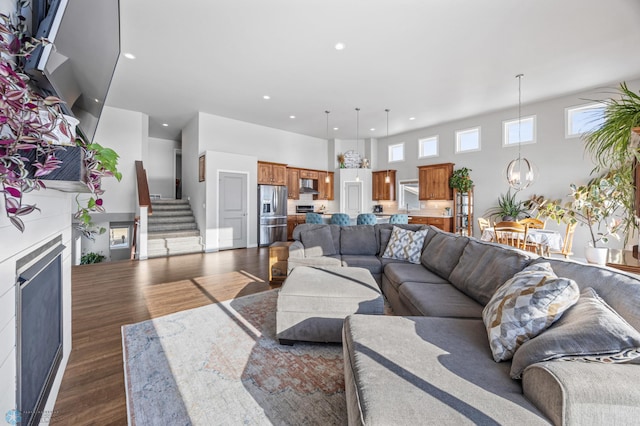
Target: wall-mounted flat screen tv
x,y
79,66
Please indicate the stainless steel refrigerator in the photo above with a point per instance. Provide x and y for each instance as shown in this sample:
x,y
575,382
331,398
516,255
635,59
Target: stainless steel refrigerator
x,y
272,213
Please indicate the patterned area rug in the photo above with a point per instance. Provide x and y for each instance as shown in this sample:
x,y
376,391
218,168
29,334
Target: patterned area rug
x,y
221,365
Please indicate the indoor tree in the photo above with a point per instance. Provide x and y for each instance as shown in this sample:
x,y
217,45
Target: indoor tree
x,y
615,150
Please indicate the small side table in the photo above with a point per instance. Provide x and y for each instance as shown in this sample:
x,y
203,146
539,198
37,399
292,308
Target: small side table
x,y
278,259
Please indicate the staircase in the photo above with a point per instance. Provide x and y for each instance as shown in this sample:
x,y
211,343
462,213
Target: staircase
x,y
172,229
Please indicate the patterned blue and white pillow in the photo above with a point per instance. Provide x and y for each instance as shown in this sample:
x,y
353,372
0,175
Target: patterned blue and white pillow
x,y
525,306
405,244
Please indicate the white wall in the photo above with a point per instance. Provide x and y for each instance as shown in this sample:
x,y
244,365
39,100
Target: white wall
x,y
233,145
54,219
159,164
267,144
560,161
193,190
218,162
126,132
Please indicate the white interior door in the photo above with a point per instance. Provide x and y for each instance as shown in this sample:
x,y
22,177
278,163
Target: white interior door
x,y
232,210
353,198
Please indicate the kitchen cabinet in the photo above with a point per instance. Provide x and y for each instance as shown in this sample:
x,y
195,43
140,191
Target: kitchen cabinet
x,y
294,220
272,173
293,183
444,223
308,174
324,188
433,182
381,190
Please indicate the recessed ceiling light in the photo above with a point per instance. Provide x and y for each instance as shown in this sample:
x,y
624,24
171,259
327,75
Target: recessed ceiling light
x,y
292,116
372,129
340,46
335,128
165,125
412,118
129,56
97,100
266,97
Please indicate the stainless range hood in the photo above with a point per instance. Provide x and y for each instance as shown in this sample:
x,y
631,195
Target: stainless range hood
x,y
306,187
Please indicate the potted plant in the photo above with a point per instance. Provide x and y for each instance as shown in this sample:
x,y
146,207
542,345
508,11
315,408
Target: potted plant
x,y
612,146
595,205
91,257
508,208
460,180
30,122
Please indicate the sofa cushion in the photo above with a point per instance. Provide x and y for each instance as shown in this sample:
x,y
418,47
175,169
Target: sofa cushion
x,y
372,263
619,289
405,245
317,242
525,306
589,331
420,370
398,273
483,267
384,236
359,239
580,393
436,300
335,231
442,252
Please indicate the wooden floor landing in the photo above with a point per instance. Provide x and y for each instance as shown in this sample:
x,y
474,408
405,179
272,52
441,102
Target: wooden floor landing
x,y
109,295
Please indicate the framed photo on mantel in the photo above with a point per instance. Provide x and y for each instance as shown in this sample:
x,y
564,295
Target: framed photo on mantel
x,y
201,168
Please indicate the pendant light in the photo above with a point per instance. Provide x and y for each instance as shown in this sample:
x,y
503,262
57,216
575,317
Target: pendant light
x,y
520,172
387,179
358,142
327,179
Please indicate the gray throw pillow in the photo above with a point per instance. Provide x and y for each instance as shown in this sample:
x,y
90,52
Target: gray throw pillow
x,y
590,331
317,242
385,235
358,239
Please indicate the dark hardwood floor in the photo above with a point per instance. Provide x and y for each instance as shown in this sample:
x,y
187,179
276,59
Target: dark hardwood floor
x,y
109,295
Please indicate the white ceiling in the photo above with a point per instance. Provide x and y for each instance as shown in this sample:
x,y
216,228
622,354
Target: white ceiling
x,y
434,60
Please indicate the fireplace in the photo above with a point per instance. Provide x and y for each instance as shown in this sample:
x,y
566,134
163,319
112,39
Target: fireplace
x,y
39,328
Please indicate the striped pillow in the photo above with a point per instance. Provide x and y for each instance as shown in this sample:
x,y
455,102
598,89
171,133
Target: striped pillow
x,y
524,306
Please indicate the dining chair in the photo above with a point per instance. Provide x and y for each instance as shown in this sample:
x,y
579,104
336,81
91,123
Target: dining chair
x,y
399,218
511,233
483,224
341,219
366,219
533,223
567,244
313,218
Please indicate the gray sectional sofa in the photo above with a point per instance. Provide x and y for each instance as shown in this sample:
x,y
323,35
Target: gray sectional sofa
x,y
431,363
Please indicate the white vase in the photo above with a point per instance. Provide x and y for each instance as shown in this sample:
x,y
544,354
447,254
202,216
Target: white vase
x,y
597,255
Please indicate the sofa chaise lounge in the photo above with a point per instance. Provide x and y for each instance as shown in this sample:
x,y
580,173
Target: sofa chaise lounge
x,y
432,363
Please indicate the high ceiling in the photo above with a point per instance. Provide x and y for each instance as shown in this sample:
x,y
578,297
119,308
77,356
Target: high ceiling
x,y
431,60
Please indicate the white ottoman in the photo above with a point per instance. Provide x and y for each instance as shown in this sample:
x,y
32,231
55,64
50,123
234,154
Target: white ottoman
x,y
313,302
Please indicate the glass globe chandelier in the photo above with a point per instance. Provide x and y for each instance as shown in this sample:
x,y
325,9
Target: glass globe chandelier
x,y
520,172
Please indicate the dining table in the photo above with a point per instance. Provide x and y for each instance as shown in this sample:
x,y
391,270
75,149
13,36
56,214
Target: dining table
x,y
549,239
